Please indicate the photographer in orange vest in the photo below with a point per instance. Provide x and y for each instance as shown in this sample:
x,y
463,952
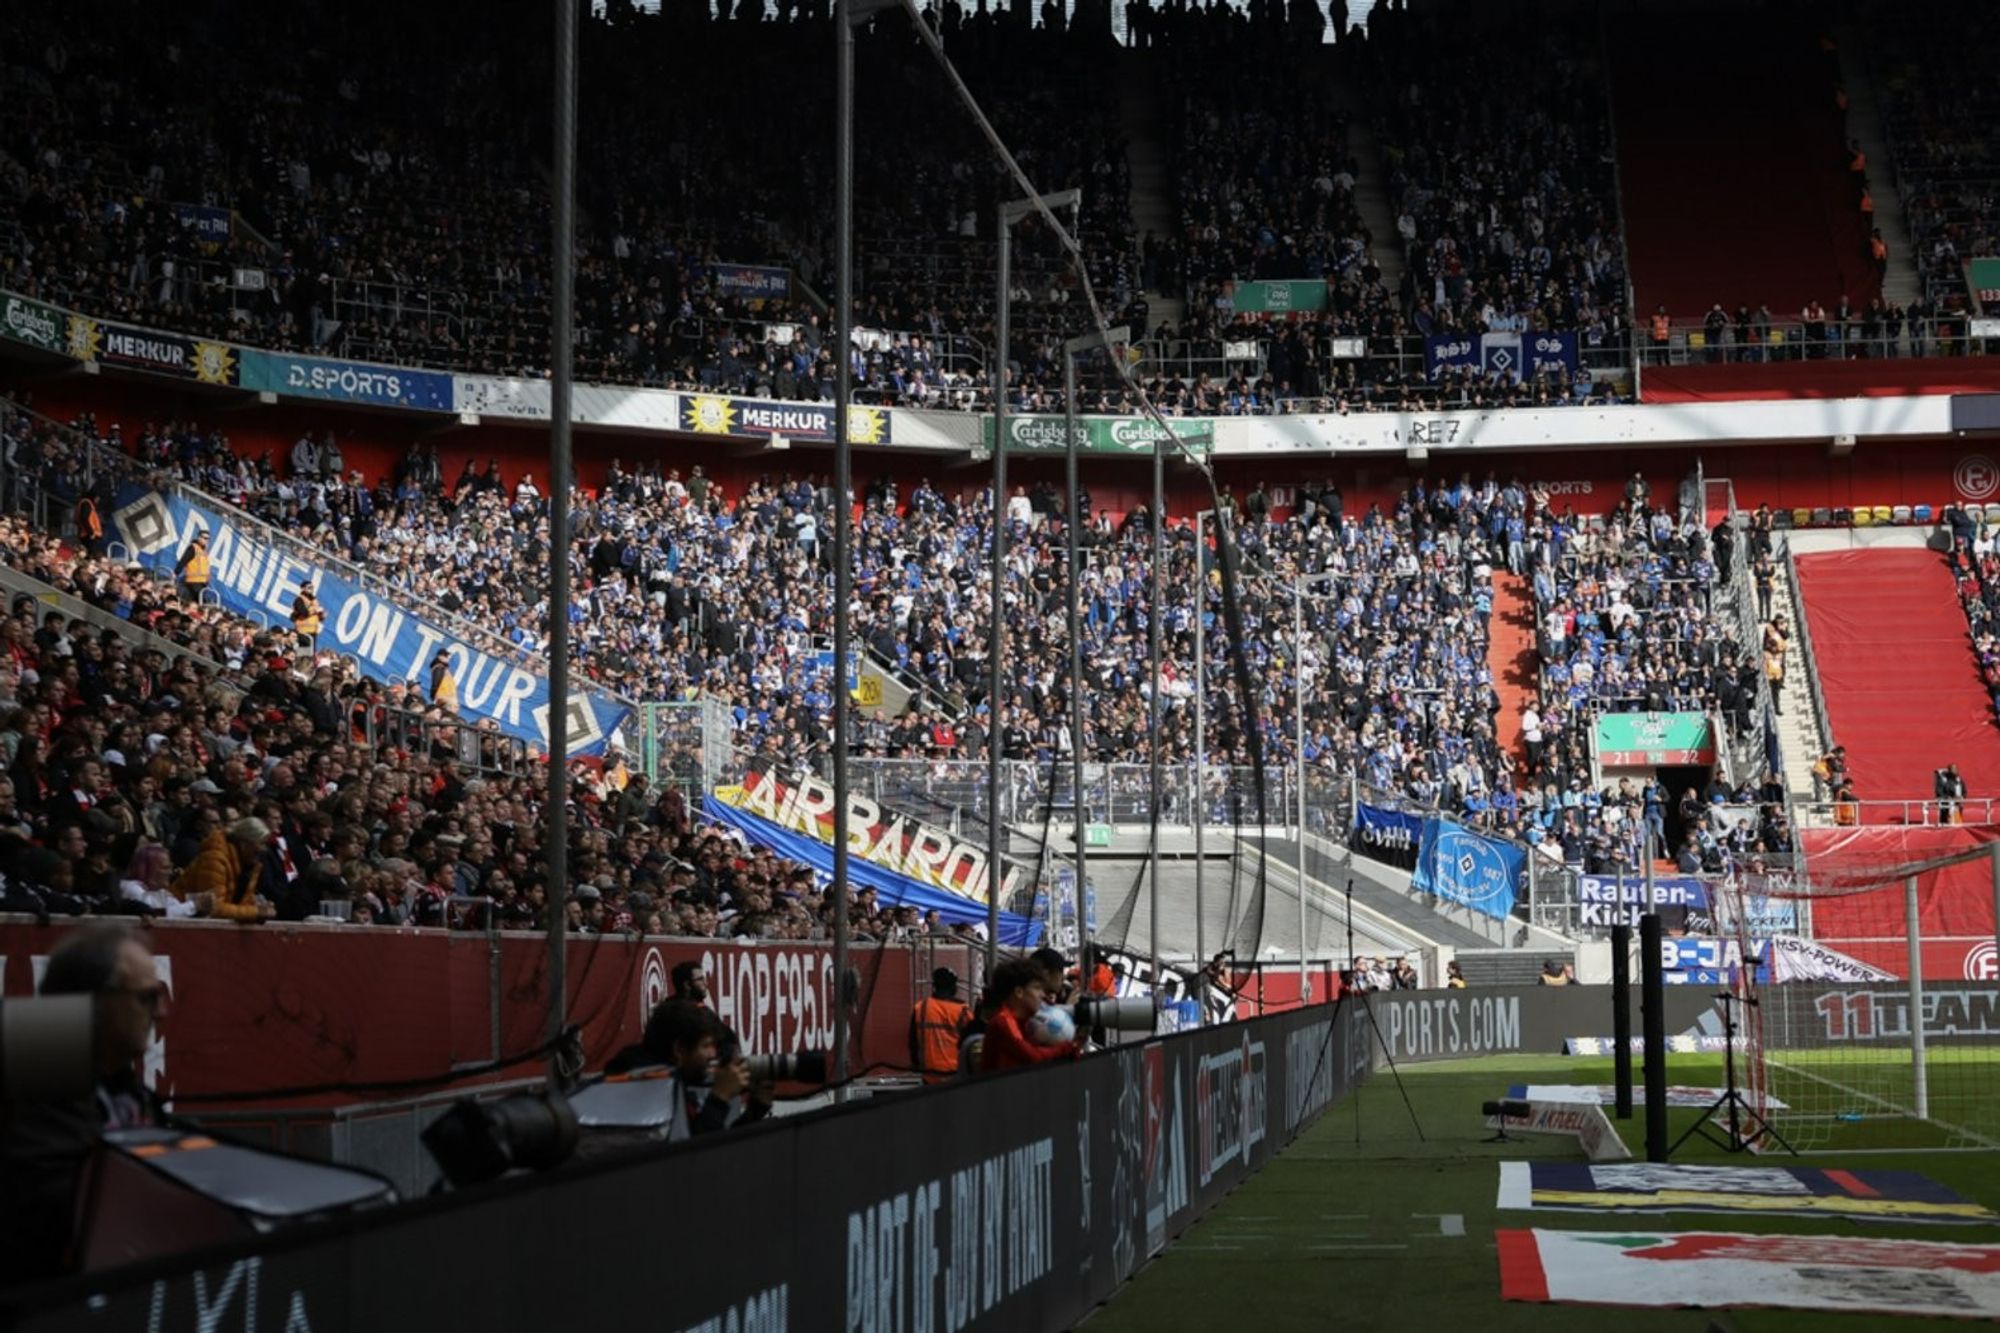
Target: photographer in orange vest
x,y
937,1026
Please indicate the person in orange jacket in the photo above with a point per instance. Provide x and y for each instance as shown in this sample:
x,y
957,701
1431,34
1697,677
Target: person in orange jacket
x,y
230,867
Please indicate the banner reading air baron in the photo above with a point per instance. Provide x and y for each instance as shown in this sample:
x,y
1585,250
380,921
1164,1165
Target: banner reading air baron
x,y
895,842
253,577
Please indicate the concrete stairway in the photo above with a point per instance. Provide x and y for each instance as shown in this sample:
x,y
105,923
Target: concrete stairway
x,y
1900,284
1798,723
1155,204
1371,198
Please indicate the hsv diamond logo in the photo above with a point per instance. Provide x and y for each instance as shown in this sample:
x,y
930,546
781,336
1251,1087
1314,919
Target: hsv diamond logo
x,y
583,728
146,525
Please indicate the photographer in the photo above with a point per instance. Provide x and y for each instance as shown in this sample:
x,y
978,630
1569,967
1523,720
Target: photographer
x,y
45,1146
714,1089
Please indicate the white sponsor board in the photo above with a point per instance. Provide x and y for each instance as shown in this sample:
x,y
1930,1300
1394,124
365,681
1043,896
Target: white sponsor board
x,y
1794,959
1588,1125
1717,1269
1603,1094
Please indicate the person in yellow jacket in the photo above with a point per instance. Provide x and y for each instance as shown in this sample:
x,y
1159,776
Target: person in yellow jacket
x,y
444,685
193,569
230,867
307,618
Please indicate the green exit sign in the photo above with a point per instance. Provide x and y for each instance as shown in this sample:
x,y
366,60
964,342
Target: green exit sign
x,y
1097,835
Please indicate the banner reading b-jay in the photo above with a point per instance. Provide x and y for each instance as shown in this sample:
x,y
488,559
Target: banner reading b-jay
x,y
252,577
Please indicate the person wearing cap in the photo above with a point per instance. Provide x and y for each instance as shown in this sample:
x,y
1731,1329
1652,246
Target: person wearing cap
x,y
937,1026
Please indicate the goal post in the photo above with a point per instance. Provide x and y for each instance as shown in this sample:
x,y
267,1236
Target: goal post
x,y
1875,1014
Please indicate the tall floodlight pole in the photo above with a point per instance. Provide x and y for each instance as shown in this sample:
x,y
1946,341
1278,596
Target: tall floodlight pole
x,y
1154,711
1106,339
851,13
1200,749
562,351
1299,754
996,839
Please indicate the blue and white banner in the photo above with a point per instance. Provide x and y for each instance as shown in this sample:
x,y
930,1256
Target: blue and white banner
x,y
894,890
752,282
1468,868
1607,901
252,577
1389,836
1705,960
210,225
1549,353
1500,354
1456,351
345,381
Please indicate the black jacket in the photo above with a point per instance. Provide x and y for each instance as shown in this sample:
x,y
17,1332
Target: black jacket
x,y
44,1147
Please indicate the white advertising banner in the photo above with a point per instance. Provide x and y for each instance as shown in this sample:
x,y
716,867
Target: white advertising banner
x,y
1716,1269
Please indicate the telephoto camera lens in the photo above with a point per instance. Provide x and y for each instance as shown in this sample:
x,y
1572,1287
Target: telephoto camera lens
x,y
797,1067
1117,1013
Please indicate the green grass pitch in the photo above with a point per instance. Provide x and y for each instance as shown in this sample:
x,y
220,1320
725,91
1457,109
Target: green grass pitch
x,y
1390,1231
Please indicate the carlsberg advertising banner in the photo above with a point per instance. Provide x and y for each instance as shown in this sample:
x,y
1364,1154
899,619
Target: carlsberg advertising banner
x,y
31,322
1096,435
253,577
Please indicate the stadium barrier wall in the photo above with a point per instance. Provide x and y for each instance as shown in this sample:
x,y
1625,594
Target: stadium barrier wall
x,y
295,1006
1418,1026
1016,1202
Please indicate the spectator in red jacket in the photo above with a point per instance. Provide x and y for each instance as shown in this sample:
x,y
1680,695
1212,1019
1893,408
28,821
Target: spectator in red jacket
x,y
1021,993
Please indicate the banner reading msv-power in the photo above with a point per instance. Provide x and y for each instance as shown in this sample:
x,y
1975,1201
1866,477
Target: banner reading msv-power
x,y
252,577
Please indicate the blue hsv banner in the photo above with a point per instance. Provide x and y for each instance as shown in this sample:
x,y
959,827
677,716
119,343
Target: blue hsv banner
x,y
253,578
345,381
1468,868
1389,836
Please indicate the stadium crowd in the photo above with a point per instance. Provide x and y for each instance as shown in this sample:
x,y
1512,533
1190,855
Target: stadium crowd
x,y
685,590
217,769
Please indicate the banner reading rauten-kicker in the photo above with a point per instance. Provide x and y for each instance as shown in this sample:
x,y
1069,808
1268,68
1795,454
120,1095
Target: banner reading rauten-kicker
x,y
253,577
1096,435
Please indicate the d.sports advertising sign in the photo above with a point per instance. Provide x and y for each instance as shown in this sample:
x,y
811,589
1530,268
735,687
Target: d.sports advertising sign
x,y
1654,740
345,381
1468,868
719,414
253,576
1389,836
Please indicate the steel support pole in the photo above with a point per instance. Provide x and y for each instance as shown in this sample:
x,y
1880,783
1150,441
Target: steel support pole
x,y
1075,525
561,369
996,649
1299,767
1201,757
843,510
1155,714
1920,1079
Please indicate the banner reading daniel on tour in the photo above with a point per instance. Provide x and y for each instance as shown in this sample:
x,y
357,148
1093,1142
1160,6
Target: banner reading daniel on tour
x,y
252,576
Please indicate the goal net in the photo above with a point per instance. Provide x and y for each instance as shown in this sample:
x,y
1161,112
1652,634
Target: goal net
x,y
1876,1016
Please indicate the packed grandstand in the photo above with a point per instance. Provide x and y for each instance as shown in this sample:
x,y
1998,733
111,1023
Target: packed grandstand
x,y
1550,455
311,198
